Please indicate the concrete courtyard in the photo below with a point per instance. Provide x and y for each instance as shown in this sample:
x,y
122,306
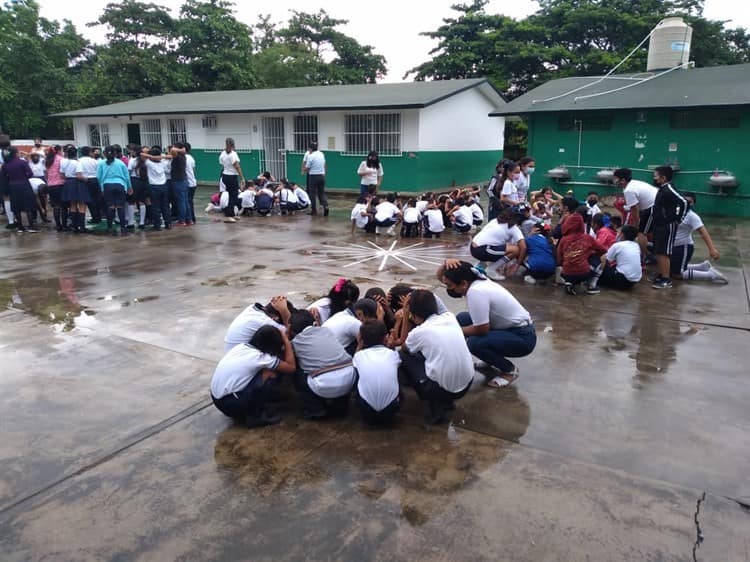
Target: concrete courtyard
x,y
632,407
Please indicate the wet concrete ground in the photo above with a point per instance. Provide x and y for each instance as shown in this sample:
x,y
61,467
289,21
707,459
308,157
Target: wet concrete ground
x,y
631,408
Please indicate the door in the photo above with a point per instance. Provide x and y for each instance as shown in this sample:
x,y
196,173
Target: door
x,y
134,133
274,149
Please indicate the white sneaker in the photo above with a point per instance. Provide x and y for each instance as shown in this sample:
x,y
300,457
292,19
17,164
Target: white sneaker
x,y
495,271
208,208
529,279
719,276
558,276
391,231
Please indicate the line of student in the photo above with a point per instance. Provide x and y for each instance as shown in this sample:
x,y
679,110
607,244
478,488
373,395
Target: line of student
x,y
342,343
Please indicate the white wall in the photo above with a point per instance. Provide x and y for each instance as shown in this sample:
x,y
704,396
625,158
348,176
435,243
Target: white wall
x,y
461,123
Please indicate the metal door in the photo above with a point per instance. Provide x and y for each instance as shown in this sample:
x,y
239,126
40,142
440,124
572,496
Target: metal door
x,y
274,148
134,133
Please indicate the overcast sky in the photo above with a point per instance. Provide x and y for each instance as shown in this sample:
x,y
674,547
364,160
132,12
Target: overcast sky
x,y
391,26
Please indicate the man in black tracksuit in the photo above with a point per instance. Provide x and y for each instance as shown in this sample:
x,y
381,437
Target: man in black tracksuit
x,y
668,212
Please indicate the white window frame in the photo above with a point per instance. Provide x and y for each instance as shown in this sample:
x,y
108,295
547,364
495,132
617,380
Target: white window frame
x,y
305,131
101,130
177,130
364,132
151,132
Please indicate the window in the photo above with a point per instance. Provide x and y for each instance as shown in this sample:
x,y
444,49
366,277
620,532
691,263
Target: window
x,y
705,119
366,132
586,122
305,131
177,131
151,132
208,122
99,134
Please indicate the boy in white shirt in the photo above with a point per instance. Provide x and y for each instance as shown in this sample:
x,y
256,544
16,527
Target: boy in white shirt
x,y
412,220
276,313
345,326
303,199
361,215
376,367
435,356
387,214
462,216
288,202
433,221
622,261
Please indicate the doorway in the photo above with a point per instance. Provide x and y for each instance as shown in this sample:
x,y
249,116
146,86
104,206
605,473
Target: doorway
x,y
274,148
134,133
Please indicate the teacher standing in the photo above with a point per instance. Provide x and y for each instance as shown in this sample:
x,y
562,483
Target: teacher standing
x,y
371,173
315,168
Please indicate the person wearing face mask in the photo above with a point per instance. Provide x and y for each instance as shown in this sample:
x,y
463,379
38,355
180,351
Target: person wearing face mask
x,y
592,202
496,326
509,193
370,172
523,183
668,212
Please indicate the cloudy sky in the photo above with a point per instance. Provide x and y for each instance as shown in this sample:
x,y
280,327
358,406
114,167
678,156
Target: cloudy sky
x,y
391,26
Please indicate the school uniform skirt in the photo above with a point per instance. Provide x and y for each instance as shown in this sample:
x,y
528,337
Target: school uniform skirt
x,y
75,190
22,198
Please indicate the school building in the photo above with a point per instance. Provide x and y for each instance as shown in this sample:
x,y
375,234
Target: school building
x,y
429,135
695,119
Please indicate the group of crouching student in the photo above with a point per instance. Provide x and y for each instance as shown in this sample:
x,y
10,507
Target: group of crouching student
x,y
343,344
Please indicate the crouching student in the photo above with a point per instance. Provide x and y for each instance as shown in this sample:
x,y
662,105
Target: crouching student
x,y
434,356
361,215
243,379
579,255
410,228
622,267
496,326
376,371
433,221
303,199
345,324
264,199
540,255
325,374
288,202
247,199
276,313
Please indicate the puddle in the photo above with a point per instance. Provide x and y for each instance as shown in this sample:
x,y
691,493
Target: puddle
x,y
53,301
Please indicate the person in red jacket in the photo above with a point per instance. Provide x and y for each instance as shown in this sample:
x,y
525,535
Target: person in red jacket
x,y
579,255
605,235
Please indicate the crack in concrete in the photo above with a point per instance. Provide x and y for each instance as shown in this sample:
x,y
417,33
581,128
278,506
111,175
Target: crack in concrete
x,y
698,531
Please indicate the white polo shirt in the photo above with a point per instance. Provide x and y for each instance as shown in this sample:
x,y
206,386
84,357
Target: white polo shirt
x,y
344,326
463,216
88,166
639,193
190,170
490,303
386,211
497,234
323,306
238,368
227,161
372,174
435,220
156,173
302,195
360,220
412,215
510,190
377,368
476,212
245,325
691,222
448,361
316,163
627,255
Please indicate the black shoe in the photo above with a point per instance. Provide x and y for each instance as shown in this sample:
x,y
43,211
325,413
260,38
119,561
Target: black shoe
x,y
11,226
141,227
131,227
570,288
262,421
662,283
325,212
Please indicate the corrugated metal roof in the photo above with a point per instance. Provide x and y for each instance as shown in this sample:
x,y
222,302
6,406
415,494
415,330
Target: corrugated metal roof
x,y
314,98
717,86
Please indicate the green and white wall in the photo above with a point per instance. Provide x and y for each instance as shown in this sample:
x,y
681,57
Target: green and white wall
x,y
642,140
452,142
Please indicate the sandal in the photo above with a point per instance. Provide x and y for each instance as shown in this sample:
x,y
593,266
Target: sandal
x,y
502,382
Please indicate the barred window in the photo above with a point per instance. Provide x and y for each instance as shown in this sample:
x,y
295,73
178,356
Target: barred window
x,y
366,132
151,132
99,134
177,131
705,119
586,121
305,131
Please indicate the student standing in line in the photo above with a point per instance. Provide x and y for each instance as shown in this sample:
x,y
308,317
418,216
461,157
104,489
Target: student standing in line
x,y
370,172
89,166
523,183
231,176
192,182
315,168
157,185
180,184
114,178
14,175
75,192
242,382
140,193
55,182
36,163
509,195
376,370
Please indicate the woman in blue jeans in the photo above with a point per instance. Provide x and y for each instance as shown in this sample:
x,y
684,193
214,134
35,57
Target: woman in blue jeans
x,y
496,326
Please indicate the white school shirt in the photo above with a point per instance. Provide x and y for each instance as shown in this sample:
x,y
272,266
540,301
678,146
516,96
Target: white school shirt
x,y
422,206
190,171
386,211
412,215
476,212
223,200
377,368
245,325
238,368
315,349
463,216
302,196
247,199
38,169
156,173
684,236
490,303
627,255
70,168
639,193
359,220
132,163
522,186
316,163
227,161
448,361
88,166
497,234
372,174
323,305
344,326
595,210
286,195
510,190
435,220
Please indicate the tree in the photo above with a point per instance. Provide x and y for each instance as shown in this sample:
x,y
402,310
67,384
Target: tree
x,y
35,60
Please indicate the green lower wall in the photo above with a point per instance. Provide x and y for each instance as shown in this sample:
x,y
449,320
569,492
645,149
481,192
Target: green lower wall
x,y
410,172
645,145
